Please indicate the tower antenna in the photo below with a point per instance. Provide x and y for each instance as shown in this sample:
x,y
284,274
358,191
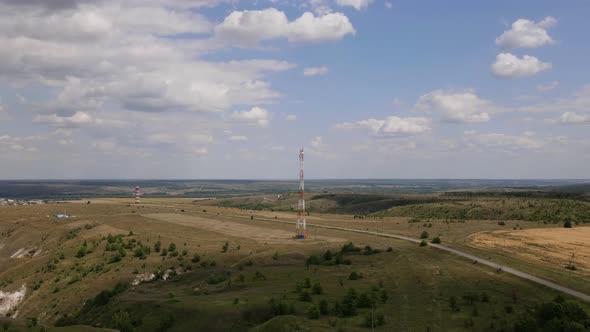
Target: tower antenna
x,y
137,194
301,227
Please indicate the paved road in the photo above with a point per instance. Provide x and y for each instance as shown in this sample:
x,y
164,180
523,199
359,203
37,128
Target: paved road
x,y
524,275
496,266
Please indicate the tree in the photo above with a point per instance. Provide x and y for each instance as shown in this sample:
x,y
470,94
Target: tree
x,y
436,240
424,235
328,255
157,246
525,324
567,224
364,301
172,247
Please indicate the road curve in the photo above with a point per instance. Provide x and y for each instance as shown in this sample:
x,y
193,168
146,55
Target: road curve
x,y
524,275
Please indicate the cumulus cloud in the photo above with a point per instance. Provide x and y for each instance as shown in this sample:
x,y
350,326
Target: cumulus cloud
x,y
252,26
503,142
313,71
573,118
548,86
356,4
458,106
78,119
579,103
510,66
257,116
390,126
526,34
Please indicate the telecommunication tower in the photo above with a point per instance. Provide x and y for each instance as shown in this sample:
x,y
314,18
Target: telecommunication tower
x,y
301,228
137,194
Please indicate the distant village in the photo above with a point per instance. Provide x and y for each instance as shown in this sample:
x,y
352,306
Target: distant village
x,y
14,202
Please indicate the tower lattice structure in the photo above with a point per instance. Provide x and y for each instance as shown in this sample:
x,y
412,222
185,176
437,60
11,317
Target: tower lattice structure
x,y
137,195
301,227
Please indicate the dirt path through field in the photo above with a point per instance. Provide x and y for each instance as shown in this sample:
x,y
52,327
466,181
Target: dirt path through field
x,y
257,233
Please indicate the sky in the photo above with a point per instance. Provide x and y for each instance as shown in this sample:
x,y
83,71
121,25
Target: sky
x,y
228,89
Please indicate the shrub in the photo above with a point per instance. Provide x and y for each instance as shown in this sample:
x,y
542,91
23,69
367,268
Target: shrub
x,y
353,276
436,240
364,301
328,255
324,307
81,252
157,246
423,243
275,257
424,235
501,223
567,224
312,260
172,247
225,247
350,248
121,321
196,258
453,304
313,312
305,296
317,289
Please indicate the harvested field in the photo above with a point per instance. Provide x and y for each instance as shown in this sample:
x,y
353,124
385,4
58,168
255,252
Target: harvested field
x,y
546,246
260,234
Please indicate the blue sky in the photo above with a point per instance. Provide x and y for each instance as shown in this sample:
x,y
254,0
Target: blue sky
x,y
232,89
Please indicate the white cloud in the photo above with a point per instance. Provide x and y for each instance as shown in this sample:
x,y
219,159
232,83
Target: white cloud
x,y
390,126
291,117
526,34
388,4
548,86
458,106
313,71
578,103
256,115
78,119
238,138
510,66
357,4
503,142
573,118
251,26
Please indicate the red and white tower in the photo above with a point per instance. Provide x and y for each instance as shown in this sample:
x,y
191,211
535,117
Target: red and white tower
x,y
137,194
301,231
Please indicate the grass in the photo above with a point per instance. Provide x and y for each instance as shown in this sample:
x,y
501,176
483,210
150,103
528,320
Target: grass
x,y
234,294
